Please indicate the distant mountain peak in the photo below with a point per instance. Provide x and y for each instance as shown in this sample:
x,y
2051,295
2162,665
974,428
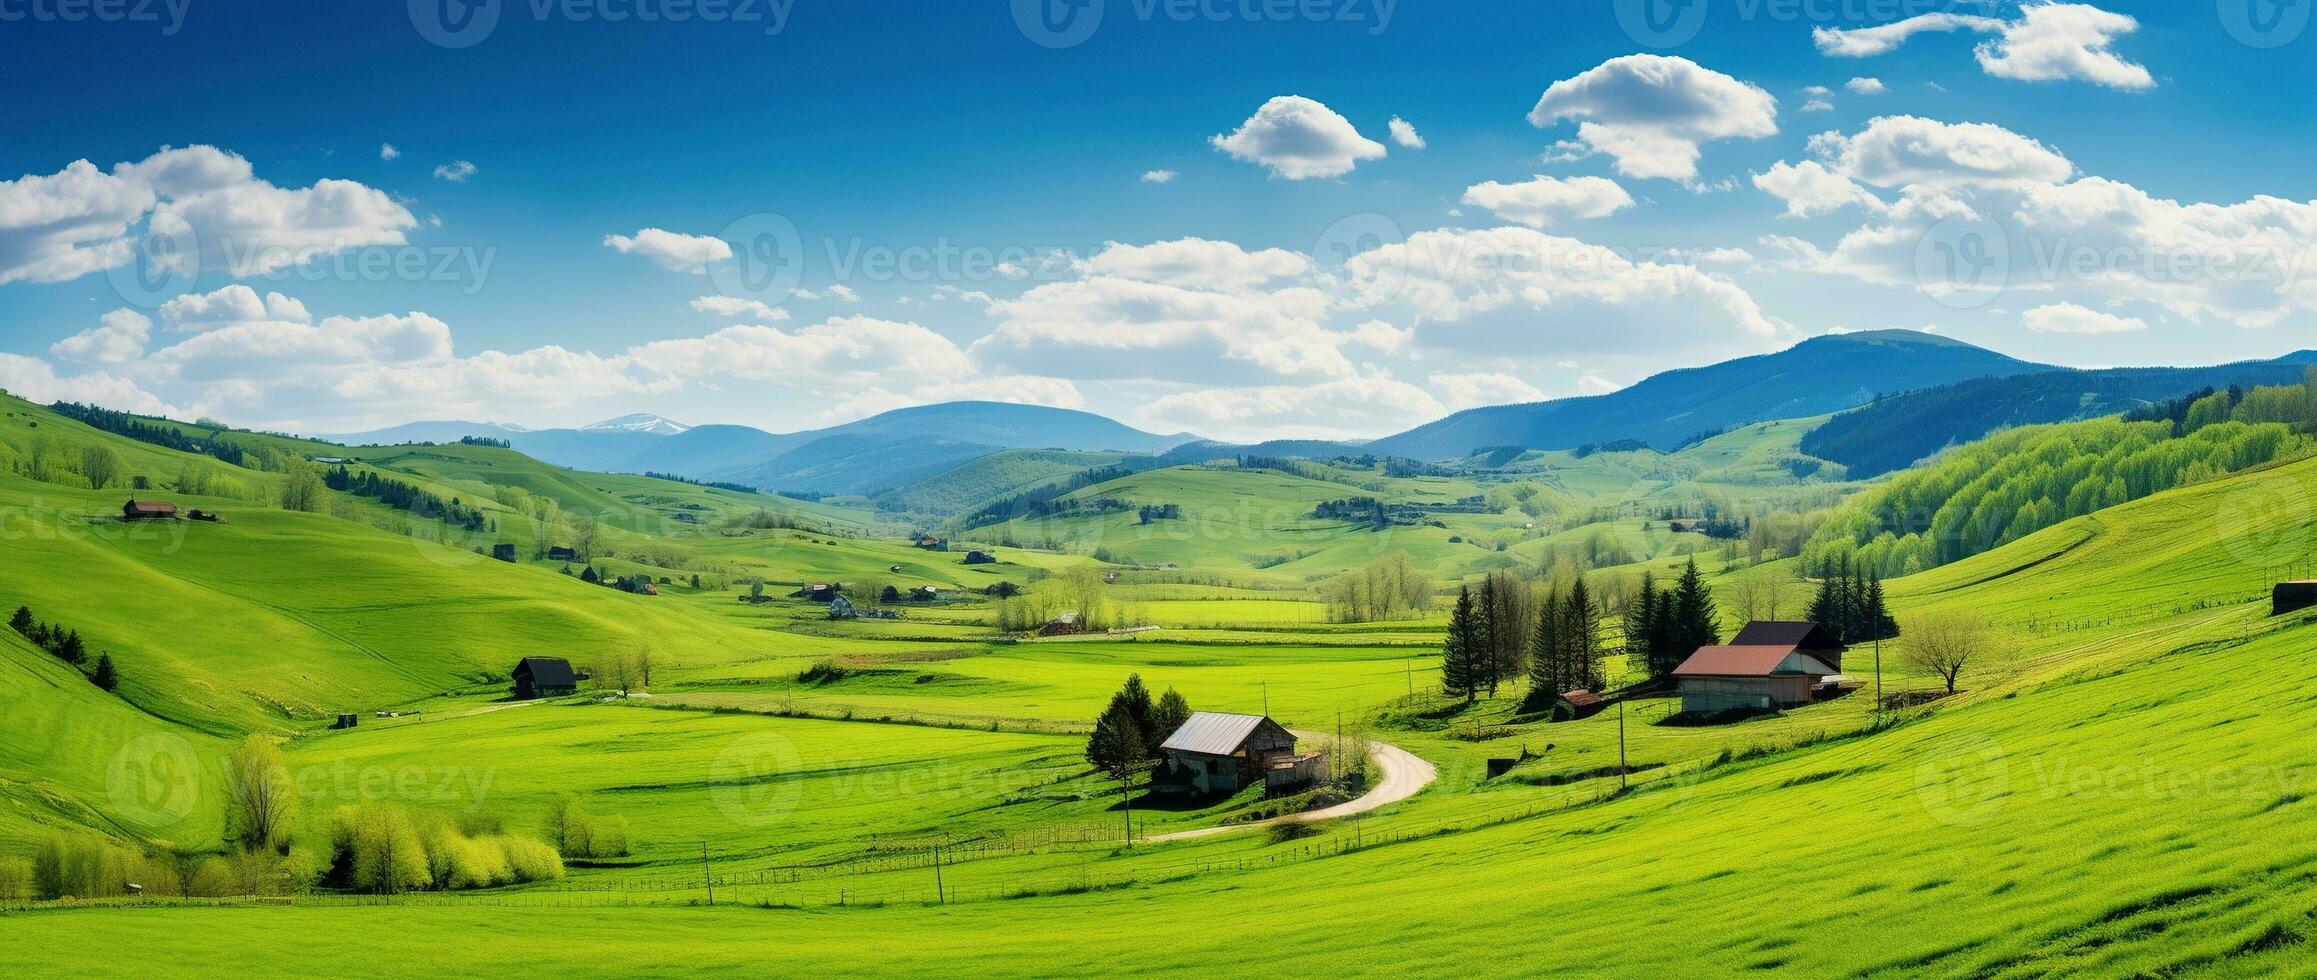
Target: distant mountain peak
x,y
640,422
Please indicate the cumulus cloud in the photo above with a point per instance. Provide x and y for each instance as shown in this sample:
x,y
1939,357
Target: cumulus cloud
x,y
386,151
1651,112
33,379
1516,292
1817,98
456,171
1543,200
1461,391
2037,226
1404,133
1381,337
118,338
1158,176
1118,328
736,307
2049,42
673,251
1197,263
1810,188
2073,319
1344,408
1866,86
58,227
195,311
1298,138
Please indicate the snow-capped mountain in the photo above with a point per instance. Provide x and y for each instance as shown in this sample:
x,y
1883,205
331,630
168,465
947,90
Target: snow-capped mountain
x,y
641,422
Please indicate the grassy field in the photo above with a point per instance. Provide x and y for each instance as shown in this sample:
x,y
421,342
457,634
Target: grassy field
x,y
2120,792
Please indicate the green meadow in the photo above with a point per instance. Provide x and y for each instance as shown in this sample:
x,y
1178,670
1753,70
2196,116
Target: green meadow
x,y
841,784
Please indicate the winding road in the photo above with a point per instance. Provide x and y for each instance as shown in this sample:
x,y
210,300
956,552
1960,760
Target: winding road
x,y
1404,776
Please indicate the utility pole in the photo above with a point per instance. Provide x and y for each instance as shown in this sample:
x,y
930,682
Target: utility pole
x,y
1266,699
1878,681
940,896
1622,768
706,874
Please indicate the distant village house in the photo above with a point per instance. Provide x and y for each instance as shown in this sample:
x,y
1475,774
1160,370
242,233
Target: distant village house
x,y
148,510
544,677
1768,665
2292,597
1215,753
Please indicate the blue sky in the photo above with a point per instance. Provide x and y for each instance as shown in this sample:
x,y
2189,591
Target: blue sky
x,y
2084,148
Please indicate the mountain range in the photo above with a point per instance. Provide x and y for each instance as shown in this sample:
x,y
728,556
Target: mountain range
x,y
1914,393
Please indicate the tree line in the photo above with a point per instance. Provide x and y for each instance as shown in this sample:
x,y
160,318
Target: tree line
x,y
405,497
66,645
136,427
1553,636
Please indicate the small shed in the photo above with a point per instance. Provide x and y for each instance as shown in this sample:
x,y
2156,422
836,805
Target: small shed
x,y
1767,665
1682,525
842,608
503,552
544,677
561,553
925,593
2292,597
1578,704
148,510
1217,752
346,720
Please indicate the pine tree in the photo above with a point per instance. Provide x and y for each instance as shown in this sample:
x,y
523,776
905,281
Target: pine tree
x,y
1640,623
1460,654
1695,623
1117,743
104,677
22,622
1136,699
1580,639
1491,609
1170,714
1884,625
71,650
1546,654
590,577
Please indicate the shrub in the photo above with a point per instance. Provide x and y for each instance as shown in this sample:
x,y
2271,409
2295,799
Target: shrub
x,y
1291,830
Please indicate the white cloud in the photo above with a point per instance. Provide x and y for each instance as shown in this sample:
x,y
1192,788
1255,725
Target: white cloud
x,y
1015,389
2049,42
1515,291
841,293
673,251
736,307
1651,112
1197,263
2072,319
1404,133
386,151
1594,384
1461,391
1343,408
1809,188
1545,200
1866,86
119,338
1900,151
1118,328
79,220
1817,98
456,171
1383,338
35,380
196,311
1298,138
1158,176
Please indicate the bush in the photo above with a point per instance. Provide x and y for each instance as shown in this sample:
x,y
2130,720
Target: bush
x,y
1291,830
15,879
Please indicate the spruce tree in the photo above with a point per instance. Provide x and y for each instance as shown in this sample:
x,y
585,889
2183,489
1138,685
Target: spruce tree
x,y
1640,622
71,650
1461,653
22,622
1580,639
1885,626
1695,621
104,677
1546,650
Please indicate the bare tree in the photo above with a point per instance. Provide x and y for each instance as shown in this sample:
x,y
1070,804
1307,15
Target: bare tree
x,y
261,802
1945,644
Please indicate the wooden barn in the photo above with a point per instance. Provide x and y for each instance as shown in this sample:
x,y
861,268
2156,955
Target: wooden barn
x,y
1578,704
1214,752
544,677
1767,665
2292,597
148,510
